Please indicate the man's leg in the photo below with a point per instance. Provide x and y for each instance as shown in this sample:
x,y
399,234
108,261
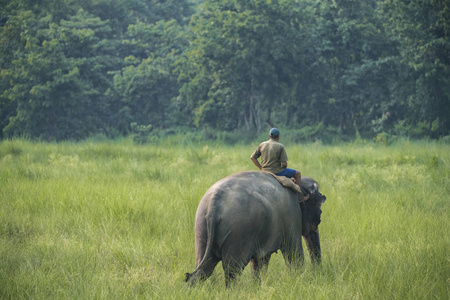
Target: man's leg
x,y
296,176
298,181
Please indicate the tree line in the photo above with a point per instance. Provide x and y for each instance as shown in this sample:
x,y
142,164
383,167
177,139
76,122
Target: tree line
x,y
73,69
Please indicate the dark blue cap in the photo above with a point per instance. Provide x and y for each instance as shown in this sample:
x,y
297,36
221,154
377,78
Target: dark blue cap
x,y
274,132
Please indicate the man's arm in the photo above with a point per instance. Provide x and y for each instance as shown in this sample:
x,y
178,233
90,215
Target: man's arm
x,y
283,158
256,162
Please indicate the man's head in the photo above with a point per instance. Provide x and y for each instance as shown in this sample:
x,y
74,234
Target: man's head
x,y
274,133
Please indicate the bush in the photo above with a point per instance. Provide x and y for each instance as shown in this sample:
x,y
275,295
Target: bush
x,y
385,138
141,133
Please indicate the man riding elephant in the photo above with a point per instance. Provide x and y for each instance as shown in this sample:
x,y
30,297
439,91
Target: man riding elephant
x,y
246,217
274,159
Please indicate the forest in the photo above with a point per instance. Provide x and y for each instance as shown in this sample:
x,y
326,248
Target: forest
x,y
323,69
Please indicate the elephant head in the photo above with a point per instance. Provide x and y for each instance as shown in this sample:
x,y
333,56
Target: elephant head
x,y
311,212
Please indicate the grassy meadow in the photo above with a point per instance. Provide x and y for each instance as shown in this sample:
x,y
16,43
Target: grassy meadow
x,y
115,220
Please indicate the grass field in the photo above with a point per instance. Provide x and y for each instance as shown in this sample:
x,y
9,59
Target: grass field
x,y
114,220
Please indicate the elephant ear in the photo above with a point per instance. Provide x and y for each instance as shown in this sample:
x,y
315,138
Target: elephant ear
x,y
305,191
317,195
321,197
315,188
310,186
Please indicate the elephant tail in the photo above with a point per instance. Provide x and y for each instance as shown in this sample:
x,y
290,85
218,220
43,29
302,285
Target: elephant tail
x,y
209,260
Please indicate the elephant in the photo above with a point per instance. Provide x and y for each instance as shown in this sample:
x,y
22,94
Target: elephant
x,y
246,217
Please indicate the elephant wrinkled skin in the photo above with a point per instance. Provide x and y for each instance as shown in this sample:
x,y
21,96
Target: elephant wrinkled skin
x,y
248,216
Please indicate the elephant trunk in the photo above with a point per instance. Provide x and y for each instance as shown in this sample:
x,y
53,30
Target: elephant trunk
x,y
313,244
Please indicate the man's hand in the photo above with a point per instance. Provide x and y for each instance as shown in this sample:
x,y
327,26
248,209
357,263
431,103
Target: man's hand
x,y
256,162
284,165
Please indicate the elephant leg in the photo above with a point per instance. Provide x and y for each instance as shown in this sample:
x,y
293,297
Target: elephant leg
x,y
258,264
293,252
236,254
232,268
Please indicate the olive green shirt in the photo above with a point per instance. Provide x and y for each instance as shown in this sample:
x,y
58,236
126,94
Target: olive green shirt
x,y
272,154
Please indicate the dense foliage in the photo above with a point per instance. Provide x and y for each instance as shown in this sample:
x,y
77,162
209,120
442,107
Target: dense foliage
x,y
73,69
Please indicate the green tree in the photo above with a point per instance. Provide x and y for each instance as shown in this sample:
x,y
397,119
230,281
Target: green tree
x,y
59,77
244,60
353,64
59,59
148,86
422,30
69,69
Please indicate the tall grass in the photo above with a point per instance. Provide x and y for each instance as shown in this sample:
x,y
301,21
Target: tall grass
x,y
114,220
